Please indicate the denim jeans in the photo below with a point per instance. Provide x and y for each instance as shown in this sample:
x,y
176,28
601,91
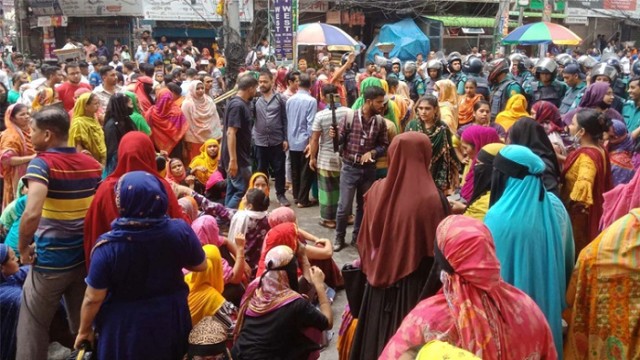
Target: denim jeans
x,y
354,181
272,157
237,186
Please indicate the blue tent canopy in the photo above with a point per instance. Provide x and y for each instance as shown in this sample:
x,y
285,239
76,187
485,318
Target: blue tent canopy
x,y
407,36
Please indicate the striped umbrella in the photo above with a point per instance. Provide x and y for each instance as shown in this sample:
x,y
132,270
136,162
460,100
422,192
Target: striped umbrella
x,y
323,34
542,33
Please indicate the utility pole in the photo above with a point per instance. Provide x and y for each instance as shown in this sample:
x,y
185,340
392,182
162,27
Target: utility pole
x,y
546,17
502,21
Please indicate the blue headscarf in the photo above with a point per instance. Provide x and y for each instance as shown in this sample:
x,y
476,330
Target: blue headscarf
x,y
532,233
4,253
141,200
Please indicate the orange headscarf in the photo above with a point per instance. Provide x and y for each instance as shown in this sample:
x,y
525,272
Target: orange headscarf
x,y
465,108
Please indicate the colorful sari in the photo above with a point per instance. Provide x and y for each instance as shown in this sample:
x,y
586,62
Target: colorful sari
x,y
14,141
465,109
603,295
86,131
143,99
168,124
206,287
475,310
444,161
620,154
515,109
478,136
203,159
45,97
448,103
587,176
203,119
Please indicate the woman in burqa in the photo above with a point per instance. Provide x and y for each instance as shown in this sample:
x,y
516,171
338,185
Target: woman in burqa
x,y
527,132
396,242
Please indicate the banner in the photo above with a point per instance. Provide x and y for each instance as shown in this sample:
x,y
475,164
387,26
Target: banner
x,y
82,8
193,10
615,5
285,19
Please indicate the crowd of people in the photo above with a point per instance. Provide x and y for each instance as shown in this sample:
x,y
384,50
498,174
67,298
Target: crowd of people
x,y
496,205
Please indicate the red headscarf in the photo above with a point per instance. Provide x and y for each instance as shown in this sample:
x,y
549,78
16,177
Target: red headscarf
x,y
476,310
168,123
143,99
283,234
478,136
548,115
134,153
397,235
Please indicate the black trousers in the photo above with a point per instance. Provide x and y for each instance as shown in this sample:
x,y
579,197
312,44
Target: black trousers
x,y
301,176
274,158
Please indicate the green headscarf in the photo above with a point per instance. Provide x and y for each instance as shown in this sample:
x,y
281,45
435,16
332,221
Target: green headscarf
x,y
367,83
136,117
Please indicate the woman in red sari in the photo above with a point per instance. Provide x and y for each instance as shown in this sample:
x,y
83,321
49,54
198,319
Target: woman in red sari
x,y
143,88
587,175
168,123
134,153
476,310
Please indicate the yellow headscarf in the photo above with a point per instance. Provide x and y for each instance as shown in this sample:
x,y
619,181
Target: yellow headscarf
x,y
252,184
204,160
448,100
43,98
205,288
516,108
86,130
441,350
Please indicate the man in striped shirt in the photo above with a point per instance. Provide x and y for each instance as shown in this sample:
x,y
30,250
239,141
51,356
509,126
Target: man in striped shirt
x,y
62,183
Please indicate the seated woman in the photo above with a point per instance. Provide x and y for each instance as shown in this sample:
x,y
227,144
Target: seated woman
x,y
253,223
180,175
216,187
12,278
319,251
475,310
206,288
274,317
146,291
206,163
235,271
257,181
208,340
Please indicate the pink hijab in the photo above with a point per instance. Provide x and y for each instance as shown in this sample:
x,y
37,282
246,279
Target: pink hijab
x,y
206,228
475,310
281,215
620,200
478,136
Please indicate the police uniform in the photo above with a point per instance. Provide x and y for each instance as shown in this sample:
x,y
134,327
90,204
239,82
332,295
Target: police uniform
x,y
572,98
501,92
459,79
552,93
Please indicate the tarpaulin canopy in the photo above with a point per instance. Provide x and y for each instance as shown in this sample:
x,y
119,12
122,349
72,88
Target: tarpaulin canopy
x,y
407,37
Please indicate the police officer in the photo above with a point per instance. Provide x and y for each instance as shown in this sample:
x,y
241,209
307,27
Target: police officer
x,y
520,69
454,64
396,66
546,87
413,80
503,86
472,67
576,87
434,73
562,60
587,63
606,73
621,83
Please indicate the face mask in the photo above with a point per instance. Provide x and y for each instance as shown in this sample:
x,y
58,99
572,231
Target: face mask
x,y
604,105
575,139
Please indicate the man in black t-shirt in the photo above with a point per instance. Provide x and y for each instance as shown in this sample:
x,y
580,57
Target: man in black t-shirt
x,y
236,140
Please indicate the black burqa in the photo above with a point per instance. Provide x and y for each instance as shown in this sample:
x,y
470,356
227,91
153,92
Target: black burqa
x,y
527,132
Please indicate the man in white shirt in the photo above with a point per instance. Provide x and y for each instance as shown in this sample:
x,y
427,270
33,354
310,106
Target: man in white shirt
x,y
108,87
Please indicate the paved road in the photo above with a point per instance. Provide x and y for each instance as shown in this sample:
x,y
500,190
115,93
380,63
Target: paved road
x,y
308,220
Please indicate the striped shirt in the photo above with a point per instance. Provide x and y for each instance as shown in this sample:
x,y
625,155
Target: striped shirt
x,y
72,179
328,159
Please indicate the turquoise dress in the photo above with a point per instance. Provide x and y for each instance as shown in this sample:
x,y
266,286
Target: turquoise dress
x,y
536,255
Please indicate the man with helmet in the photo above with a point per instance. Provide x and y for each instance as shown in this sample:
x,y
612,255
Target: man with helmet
x,y
473,68
434,73
606,73
521,72
547,87
413,80
503,86
586,63
562,60
619,85
454,64
576,87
